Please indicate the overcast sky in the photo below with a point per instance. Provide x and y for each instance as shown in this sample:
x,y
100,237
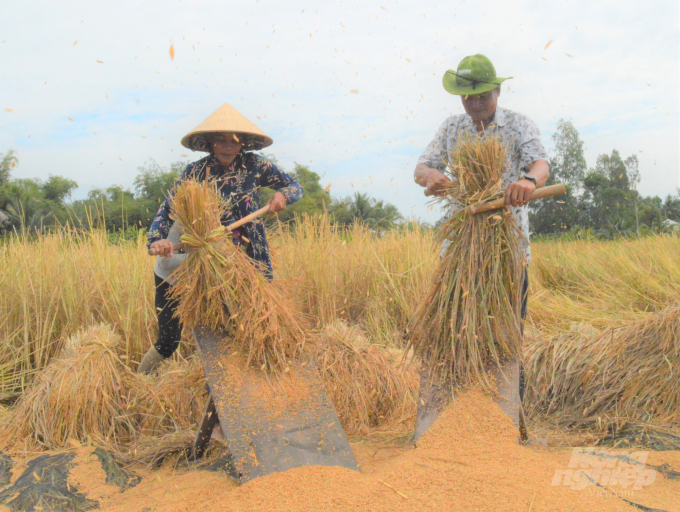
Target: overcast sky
x,y
89,90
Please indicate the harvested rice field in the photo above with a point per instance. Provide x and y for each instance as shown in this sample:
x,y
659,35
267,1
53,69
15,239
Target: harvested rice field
x,y
80,429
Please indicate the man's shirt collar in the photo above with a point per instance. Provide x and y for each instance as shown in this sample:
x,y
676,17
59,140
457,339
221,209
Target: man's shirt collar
x,y
498,119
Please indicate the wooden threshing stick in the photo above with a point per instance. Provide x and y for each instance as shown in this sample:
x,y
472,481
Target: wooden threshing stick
x,y
228,229
539,193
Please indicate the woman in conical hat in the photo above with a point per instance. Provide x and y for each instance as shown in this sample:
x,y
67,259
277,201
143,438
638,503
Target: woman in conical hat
x,y
229,138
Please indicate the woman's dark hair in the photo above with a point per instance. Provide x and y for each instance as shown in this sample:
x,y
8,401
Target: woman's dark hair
x,y
204,141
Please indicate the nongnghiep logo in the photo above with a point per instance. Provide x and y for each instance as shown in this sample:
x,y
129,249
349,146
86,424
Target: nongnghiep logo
x,y
590,466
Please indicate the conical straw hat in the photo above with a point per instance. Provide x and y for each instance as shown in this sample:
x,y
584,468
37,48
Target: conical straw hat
x,y
226,119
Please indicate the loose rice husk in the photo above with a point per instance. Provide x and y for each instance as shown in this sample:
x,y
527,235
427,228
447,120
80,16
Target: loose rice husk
x,y
470,318
170,451
221,288
173,401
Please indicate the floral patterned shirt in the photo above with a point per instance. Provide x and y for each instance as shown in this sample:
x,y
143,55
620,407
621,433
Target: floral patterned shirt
x,y
521,137
239,185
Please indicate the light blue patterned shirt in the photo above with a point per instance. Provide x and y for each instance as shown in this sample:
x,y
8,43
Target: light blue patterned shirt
x,y
521,137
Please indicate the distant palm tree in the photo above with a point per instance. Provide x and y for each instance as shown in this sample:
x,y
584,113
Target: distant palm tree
x,y
374,213
7,161
25,208
671,207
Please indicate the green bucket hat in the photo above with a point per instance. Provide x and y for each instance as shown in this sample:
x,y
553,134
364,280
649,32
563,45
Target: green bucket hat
x,y
475,75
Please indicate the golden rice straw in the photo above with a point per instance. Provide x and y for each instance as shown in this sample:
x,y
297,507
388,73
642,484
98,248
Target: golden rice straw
x,y
88,394
628,373
471,316
80,395
221,288
367,385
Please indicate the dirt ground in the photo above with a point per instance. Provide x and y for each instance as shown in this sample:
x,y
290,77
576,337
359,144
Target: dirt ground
x,y
468,461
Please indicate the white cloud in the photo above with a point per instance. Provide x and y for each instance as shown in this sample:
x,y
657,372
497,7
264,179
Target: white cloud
x,y
259,56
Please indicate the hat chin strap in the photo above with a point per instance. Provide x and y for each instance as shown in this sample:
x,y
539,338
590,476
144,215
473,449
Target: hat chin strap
x,y
473,81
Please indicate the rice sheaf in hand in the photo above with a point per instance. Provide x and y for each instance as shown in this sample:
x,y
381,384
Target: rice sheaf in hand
x,y
470,319
219,287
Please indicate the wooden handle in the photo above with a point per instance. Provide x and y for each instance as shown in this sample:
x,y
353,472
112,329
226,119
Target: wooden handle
x,y
228,229
247,218
539,193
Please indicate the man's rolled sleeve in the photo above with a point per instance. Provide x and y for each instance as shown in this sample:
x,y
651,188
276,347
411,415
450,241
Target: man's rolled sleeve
x,y
434,155
530,147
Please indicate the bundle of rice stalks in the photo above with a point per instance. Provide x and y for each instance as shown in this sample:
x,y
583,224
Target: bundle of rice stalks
x,y
625,373
88,394
80,395
367,386
172,402
220,287
471,316
164,410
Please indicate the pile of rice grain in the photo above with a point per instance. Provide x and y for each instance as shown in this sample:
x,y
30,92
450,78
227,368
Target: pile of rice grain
x,y
468,461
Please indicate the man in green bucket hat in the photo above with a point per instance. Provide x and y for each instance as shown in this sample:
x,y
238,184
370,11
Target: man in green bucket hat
x,y
475,81
479,88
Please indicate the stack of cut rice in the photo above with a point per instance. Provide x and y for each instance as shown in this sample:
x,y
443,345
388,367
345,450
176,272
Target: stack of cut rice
x,y
626,373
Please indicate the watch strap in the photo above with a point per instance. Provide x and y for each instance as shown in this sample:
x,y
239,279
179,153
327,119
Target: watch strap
x,y
531,178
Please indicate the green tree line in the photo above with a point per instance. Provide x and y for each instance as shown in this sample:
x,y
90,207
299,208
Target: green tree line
x,y
602,201
44,204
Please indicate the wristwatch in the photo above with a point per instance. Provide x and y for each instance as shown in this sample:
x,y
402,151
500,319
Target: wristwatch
x,y
532,179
